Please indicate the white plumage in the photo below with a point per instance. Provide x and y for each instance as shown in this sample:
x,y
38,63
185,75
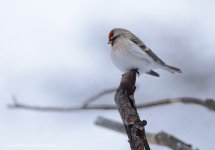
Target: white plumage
x,y
126,55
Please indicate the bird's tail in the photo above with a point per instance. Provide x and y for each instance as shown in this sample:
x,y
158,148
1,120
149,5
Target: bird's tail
x,y
172,69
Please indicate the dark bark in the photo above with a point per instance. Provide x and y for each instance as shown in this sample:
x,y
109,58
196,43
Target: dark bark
x,y
124,99
161,138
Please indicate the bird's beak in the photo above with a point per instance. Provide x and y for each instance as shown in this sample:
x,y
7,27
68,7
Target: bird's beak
x,y
110,42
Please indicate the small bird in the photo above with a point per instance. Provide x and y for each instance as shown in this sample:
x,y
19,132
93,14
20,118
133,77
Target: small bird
x,y
130,53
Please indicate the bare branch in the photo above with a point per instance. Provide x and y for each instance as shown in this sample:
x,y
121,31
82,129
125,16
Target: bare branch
x,y
208,103
124,99
161,138
97,96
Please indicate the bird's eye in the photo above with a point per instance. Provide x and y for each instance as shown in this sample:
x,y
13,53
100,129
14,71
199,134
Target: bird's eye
x,y
111,34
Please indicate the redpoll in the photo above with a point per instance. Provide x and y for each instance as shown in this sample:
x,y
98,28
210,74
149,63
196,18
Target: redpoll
x,y
129,52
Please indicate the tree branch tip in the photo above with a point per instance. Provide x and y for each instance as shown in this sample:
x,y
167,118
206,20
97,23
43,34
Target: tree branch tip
x,y
14,99
98,120
13,106
10,106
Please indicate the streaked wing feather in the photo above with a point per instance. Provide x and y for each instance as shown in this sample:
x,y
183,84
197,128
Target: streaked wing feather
x,y
137,41
154,56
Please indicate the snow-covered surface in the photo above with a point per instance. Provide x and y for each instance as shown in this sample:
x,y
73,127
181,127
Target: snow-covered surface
x,y
55,53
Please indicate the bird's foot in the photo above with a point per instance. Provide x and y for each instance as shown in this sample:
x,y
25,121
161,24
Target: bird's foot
x,y
137,72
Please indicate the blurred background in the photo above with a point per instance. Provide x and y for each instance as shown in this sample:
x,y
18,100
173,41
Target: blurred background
x,y
55,53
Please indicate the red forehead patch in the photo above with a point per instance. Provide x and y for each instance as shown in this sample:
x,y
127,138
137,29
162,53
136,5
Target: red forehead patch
x,y
111,34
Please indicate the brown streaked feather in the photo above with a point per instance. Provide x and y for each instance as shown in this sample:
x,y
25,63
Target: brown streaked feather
x,y
146,49
154,56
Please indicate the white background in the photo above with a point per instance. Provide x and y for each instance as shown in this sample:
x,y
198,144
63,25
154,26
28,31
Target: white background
x,y
55,53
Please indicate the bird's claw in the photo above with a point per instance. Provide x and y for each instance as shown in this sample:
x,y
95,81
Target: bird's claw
x,y
137,72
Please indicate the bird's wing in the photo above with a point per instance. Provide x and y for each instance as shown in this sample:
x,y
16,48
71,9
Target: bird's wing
x,y
137,41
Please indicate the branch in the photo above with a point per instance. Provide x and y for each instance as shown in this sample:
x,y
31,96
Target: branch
x,y
161,138
208,103
97,96
124,99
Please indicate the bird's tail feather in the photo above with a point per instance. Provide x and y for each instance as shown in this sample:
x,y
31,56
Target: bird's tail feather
x,y
172,69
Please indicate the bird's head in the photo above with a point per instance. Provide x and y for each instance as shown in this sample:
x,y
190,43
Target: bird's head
x,y
116,33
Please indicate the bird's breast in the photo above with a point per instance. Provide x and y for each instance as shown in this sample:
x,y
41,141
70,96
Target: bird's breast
x,y
126,55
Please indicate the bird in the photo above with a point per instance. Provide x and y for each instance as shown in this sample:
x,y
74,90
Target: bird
x,y
128,52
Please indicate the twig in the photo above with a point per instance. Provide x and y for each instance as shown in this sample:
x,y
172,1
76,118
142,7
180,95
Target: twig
x,y
97,96
161,138
124,99
208,103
